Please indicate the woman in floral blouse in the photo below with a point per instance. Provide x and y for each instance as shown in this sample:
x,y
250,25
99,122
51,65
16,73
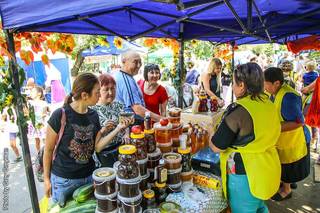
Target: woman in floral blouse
x,y
108,110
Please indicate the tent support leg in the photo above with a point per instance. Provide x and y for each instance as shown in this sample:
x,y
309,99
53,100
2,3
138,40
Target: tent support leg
x,y
233,43
181,66
249,14
22,128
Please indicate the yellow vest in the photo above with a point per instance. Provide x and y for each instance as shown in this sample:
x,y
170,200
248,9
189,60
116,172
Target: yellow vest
x,y
260,157
291,145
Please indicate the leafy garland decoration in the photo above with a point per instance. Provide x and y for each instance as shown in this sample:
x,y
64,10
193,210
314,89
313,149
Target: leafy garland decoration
x,y
9,98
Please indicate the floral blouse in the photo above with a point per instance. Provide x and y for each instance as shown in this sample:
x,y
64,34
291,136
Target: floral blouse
x,y
110,112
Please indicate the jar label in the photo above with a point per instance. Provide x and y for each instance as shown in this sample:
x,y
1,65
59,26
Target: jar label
x,y
163,175
104,173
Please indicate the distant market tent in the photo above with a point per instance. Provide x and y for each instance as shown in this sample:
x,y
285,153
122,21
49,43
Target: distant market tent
x,y
111,49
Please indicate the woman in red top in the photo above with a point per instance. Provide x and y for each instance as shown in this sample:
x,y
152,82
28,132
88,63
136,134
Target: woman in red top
x,y
155,96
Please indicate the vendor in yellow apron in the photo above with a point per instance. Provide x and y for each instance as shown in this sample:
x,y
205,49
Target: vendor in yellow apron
x,y
296,149
291,146
260,158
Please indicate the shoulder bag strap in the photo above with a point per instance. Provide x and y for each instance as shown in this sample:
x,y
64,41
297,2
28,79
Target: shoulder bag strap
x,y
63,124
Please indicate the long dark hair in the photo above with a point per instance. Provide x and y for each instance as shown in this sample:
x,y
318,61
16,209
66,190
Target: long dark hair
x,y
84,82
252,76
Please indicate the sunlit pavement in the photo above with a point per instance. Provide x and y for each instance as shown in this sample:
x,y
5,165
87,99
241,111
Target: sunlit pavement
x,y
19,198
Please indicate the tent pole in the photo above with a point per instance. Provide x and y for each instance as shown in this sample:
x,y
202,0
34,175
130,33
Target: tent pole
x,y
235,14
192,4
229,29
150,23
104,28
177,19
313,27
233,43
290,20
22,127
249,14
181,65
261,20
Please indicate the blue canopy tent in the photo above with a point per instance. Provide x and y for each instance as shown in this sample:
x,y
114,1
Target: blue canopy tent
x,y
244,21
112,49
214,20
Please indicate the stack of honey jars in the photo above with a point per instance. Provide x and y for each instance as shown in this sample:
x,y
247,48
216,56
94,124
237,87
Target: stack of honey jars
x,y
172,162
137,138
105,190
177,127
128,179
187,171
154,154
199,137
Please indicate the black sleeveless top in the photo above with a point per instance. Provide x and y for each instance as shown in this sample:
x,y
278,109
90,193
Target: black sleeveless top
x,y
214,85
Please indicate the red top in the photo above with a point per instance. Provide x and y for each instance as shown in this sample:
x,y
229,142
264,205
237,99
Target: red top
x,y
153,101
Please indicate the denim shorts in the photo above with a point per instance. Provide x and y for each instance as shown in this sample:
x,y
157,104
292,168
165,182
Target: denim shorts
x,y
59,185
12,135
240,198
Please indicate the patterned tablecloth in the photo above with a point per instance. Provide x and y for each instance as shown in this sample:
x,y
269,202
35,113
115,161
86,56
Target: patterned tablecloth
x,y
200,199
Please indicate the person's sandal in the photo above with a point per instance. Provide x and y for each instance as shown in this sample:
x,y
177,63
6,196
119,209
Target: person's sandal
x,y
18,159
278,197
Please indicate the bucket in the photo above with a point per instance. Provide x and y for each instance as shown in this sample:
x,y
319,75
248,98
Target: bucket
x,y
132,204
174,176
104,180
129,187
106,203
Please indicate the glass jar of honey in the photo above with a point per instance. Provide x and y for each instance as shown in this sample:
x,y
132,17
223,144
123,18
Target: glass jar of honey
x,y
149,137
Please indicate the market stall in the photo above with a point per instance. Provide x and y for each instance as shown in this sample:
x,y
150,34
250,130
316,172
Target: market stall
x,y
158,171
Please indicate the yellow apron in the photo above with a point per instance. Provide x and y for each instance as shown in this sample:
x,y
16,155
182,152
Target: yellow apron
x,y
260,157
291,145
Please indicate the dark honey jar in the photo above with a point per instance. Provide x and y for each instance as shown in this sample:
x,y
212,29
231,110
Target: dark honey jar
x,y
150,140
128,167
139,142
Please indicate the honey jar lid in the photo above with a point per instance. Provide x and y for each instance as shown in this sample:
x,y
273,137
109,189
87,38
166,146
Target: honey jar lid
x,y
149,194
160,185
149,131
136,136
127,149
184,151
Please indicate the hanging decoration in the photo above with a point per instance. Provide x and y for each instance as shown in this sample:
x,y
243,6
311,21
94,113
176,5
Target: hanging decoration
x,y
37,43
118,43
157,43
9,97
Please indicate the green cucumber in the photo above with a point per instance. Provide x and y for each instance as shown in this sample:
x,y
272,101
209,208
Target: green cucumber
x,y
83,193
86,207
